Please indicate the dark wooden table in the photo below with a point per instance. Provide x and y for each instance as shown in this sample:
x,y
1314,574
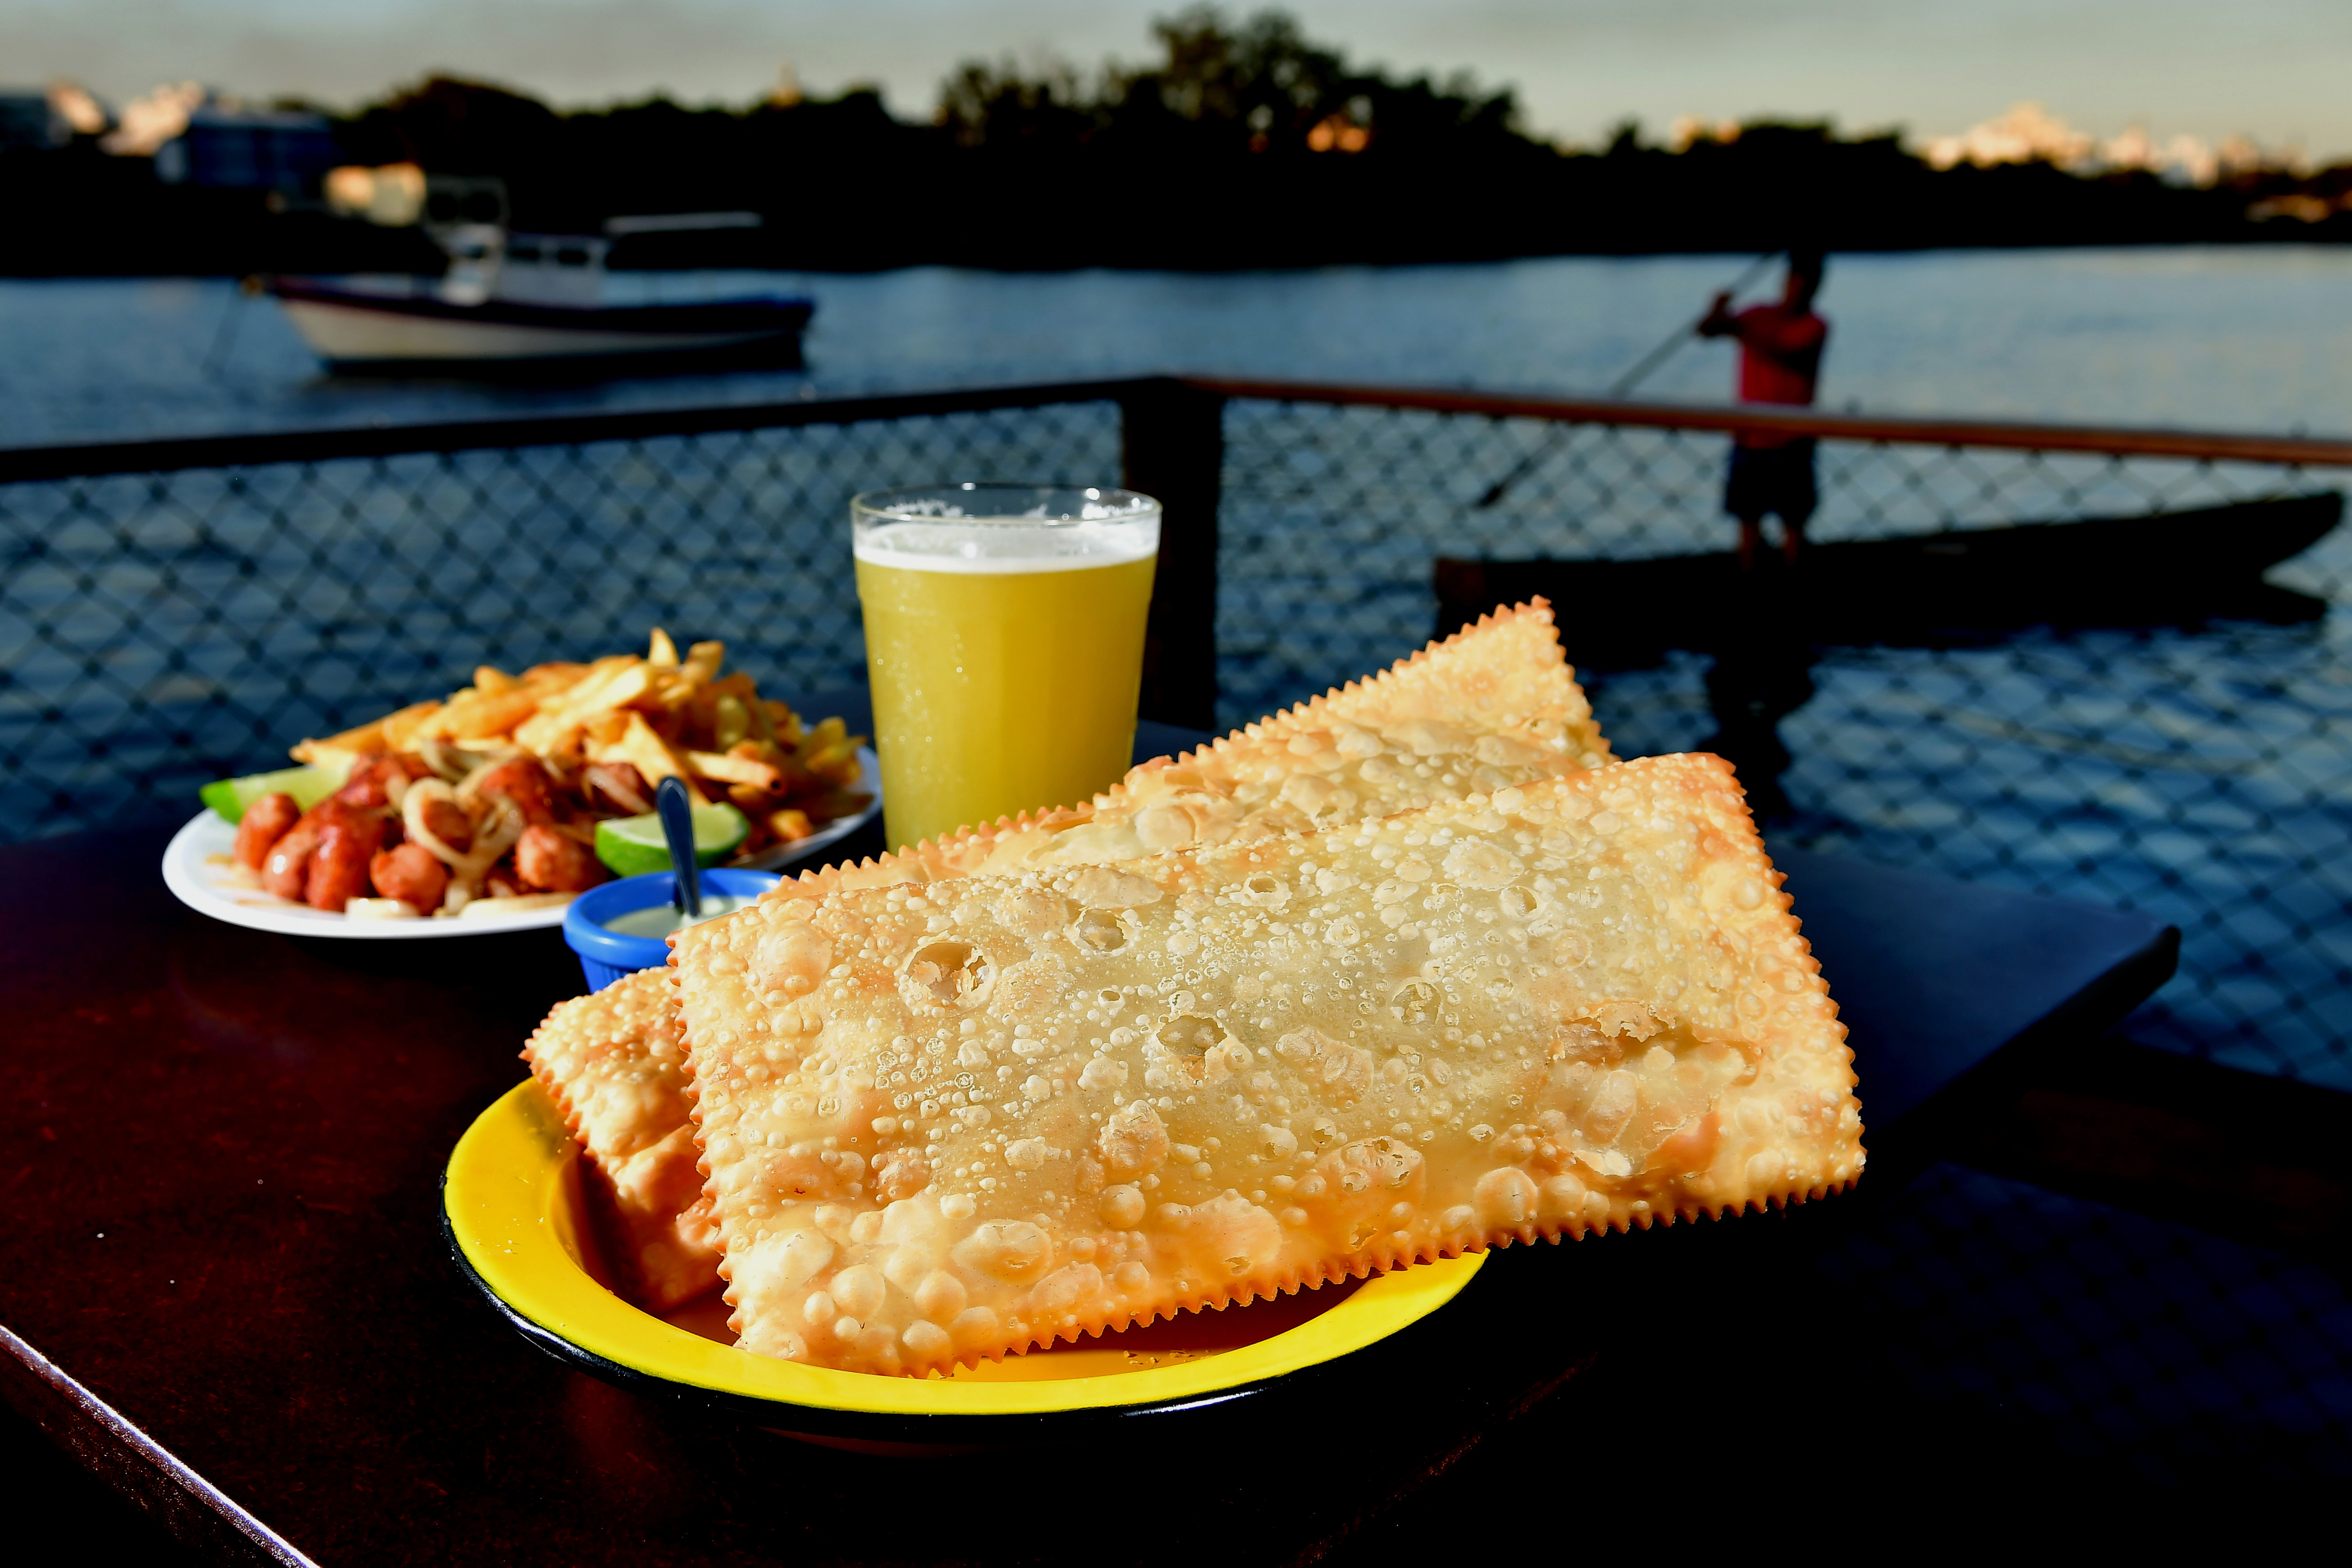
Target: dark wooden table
x,y
227,1293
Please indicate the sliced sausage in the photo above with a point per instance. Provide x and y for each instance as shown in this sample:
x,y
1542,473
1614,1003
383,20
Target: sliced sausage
x,y
618,784
555,863
449,822
339,866
522,781
265,822
286,871
369,786
411,873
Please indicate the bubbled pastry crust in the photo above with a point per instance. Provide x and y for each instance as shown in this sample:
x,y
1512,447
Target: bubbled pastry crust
x,y
1495,704
613,1063
947,1122
1502,672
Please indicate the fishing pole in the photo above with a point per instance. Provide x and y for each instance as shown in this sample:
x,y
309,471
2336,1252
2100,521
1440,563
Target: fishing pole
x,y
1623,386
225,335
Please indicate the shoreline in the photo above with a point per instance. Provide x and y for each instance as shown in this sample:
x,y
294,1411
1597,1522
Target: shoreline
x,y
2330,240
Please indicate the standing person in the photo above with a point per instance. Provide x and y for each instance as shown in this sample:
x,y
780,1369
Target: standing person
x,y
1779,362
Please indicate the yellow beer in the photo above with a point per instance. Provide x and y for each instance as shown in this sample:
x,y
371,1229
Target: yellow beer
x,y
1005,653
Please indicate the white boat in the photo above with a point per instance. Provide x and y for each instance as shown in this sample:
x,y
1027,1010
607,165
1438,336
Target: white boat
x,y
520,302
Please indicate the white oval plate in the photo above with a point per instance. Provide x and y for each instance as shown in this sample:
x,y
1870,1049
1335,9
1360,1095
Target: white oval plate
x,y
198,870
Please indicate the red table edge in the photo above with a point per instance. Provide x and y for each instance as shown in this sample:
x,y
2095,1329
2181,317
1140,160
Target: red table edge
x,y
97,1437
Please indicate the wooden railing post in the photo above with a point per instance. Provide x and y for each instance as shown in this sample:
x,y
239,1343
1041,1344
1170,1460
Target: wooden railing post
x,y
1174,448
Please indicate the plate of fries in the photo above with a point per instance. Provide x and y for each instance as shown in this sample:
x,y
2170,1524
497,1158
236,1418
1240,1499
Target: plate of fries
x,y
479,812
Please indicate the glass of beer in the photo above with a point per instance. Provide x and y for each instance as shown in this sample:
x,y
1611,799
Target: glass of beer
x,y
1004,642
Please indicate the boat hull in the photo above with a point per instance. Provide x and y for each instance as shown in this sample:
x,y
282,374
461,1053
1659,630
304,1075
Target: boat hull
x,y
353,329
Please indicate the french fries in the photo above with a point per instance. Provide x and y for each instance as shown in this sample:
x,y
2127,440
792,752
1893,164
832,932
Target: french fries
x,y
664,714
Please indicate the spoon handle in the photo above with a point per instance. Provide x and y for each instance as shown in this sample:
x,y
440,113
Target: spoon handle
x,y
676,813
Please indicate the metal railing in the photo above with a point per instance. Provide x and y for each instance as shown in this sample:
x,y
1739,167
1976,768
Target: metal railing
x,y
175,611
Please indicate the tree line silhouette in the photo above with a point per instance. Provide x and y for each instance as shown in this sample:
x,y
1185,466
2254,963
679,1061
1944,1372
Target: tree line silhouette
x,y
1244,144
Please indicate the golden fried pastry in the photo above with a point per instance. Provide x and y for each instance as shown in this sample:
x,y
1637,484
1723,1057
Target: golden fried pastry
x,y
1497,675
948,1121
1388,743
613,1065
1495,704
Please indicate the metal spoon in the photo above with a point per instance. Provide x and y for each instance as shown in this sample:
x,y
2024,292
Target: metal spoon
x,y
672,804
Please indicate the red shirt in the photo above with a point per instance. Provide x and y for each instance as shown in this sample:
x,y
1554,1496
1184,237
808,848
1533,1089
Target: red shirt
x,y
1780,353
1780,360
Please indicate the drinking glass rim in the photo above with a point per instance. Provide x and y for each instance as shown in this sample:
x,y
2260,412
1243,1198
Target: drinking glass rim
x,y
1106,504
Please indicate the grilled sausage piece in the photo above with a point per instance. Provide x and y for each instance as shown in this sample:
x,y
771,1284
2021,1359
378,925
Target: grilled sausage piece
x,y
339,866
265,822
450,823
555,863
618,784
370,782
409,874
522,781
286,871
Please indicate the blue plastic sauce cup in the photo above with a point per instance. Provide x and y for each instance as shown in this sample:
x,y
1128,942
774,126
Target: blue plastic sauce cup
x,y
606,954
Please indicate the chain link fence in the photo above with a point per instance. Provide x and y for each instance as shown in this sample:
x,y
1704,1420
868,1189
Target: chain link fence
x,y
172,615
2198,774
159,630
162,628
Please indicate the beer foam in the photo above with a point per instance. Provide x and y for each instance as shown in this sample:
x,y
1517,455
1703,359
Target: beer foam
x,y
1010,546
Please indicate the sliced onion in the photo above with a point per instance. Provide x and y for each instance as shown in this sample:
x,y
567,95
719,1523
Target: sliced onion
x,y
489,756
446,759
380,909
608,780
499,831
514,904
419,795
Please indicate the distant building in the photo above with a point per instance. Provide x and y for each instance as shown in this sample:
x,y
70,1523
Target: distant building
x,y
26,121
286,151
41,119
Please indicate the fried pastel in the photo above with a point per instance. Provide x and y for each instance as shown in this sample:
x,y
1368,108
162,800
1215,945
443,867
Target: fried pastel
x,y
1385,744
950,1122
1499,674
613,1065
1493,705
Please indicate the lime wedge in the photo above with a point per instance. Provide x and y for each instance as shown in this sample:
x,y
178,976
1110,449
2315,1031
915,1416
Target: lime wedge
x,y
632,846
308,785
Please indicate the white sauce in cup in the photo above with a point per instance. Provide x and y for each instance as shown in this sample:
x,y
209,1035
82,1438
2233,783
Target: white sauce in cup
x,y
661,919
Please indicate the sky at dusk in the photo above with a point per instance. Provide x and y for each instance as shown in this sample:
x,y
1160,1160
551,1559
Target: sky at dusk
x,y
2271,69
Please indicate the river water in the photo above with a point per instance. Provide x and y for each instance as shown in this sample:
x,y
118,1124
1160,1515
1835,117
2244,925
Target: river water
x,y
2201,776
2241,339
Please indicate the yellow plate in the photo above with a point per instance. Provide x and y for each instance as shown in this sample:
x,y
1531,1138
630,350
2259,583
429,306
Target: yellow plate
x,y
510,1202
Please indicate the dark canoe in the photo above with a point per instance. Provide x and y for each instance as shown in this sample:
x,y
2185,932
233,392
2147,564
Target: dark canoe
x,y
2176,568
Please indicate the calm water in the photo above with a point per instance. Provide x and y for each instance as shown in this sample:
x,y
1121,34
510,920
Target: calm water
x,y
2196,776
2257,339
